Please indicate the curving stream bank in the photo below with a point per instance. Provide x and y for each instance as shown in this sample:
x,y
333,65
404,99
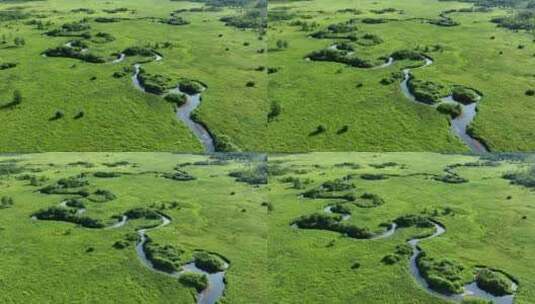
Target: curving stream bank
x,y
216,283
469,289
459,125
183,112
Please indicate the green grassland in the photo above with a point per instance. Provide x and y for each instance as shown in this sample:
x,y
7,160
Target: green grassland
x,y
488,222
117,116
59,262
475,53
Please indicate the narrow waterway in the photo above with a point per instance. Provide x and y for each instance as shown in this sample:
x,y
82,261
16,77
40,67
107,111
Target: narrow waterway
x,y
469,290
184,112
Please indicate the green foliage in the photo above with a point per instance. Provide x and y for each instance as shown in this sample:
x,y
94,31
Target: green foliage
x,y
194,280
67,215
176,99
464,95
190,87
6,202
256,175
524,177
138,213
412,220
494,282
179,175
425,91
331,222
208,262
444,276
166,258
64,51
340,57
451,109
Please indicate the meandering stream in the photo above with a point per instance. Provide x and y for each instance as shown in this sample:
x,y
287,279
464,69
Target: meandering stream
x,y
459,125
216,284
469,290
183,112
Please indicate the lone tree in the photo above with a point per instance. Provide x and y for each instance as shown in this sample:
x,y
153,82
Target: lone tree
x,y
17,97
19,41
282,44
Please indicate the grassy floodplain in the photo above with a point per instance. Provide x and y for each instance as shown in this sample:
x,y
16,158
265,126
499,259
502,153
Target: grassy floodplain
x,y
358,112
488,222
48,261
117,116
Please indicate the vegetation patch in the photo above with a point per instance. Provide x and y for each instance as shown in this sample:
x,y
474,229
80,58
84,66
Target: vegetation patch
x,y
194,280
369,200
331,222
102,196
464,95
67,52
6,202
339,57
494,282
153,83
425,91
208,262
451,109
7,65
524,178
256,175
67,215
444,276
190,87
166,258
179,175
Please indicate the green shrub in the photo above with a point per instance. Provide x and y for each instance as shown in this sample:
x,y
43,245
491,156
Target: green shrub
x,y
331,222
179,175
464,95
444,276
64,51
256,175
208,262
67,215
451,109
190,87
6,202
425,91
106,174
166,258
194,280
74,203
407,55
412,220
7,65
390,259
178,99
494,282
138,51
138,213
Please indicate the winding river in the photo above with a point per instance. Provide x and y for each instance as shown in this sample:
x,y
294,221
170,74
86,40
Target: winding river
x,y
345,216
459,125
469,290
216,283
183,112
